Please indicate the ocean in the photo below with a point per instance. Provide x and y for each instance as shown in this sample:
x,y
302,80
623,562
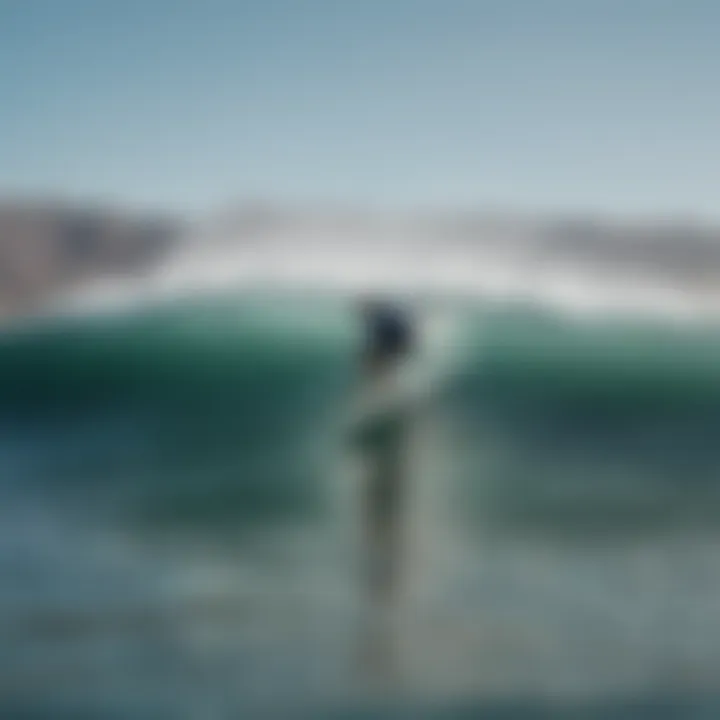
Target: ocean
x,y
179,522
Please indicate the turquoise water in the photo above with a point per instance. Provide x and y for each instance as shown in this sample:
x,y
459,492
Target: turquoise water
x,y
177,525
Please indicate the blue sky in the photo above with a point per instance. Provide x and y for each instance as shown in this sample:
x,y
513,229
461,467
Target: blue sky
x,y
186,104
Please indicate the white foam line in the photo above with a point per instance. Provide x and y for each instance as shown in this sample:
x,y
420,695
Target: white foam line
x,y
576,289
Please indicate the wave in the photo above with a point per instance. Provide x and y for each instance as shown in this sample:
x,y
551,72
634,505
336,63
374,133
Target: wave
x,y
231,405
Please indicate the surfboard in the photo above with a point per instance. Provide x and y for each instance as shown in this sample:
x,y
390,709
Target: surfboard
x,y
384,407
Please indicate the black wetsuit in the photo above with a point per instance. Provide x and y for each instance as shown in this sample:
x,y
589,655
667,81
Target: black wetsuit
x,y
390,337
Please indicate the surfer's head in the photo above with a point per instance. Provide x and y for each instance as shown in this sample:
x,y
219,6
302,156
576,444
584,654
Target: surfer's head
x,y
389,332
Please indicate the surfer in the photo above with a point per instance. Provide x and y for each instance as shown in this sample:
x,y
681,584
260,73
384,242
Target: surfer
x,y
383,437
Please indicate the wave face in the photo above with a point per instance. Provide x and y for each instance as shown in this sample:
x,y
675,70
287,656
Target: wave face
x,y
176,469
200,401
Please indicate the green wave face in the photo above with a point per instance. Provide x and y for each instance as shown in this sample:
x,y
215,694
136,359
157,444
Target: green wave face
x,y
230,407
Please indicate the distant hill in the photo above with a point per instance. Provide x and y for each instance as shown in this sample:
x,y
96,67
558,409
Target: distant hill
x,y
45,248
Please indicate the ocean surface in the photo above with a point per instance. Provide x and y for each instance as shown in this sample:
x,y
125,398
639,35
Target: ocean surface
x,y
179,518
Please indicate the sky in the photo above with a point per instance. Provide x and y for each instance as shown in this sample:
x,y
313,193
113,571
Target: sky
x,y
186,105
